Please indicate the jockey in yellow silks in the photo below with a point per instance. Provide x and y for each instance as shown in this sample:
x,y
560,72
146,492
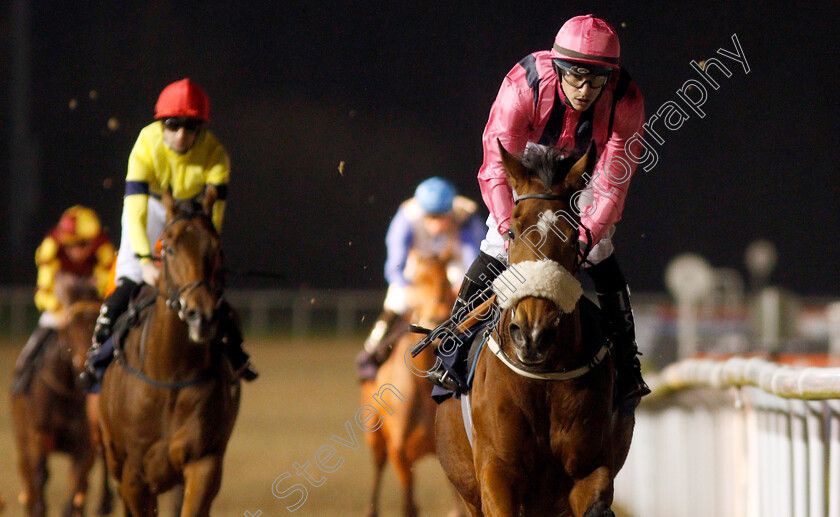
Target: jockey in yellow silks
x,y
176,152
75,246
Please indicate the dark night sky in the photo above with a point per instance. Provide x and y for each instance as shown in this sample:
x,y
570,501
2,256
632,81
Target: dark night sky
x,y
401,90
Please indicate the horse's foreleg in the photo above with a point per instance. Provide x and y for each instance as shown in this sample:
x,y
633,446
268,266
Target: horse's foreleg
x,y
79,470
106,503
402,466
380,455
177,500
498,489
138,499
37,460
592,495
459,507
202,480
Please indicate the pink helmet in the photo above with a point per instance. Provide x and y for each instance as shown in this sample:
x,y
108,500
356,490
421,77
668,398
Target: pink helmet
x,y
586,39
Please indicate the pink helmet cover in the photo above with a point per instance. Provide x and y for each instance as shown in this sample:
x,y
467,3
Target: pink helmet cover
x,y
587,39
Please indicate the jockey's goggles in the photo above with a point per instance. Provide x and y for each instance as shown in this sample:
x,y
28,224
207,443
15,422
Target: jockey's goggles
x,y
577,75
77,244
176,123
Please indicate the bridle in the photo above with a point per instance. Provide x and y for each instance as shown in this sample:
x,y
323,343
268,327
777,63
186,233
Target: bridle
x,y
174,292
581,254
552,375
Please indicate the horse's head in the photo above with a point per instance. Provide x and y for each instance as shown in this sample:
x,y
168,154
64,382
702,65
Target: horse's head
x,y
431,293
544,250
192,265
80,300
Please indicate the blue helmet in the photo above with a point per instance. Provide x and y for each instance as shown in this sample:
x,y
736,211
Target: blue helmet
x,y
435,195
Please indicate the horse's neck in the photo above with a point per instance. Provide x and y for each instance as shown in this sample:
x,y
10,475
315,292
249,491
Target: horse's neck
x,y
167,346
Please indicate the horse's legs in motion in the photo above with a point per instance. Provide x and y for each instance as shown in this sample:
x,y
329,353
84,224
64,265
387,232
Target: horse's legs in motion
x,y
380,456
459,507
138,499
79,470
592,495
497,488
202,480
402,466
106,503
177,500
36,459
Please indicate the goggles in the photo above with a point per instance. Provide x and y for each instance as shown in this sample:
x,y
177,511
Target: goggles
x,y
577,75
176,123
77,244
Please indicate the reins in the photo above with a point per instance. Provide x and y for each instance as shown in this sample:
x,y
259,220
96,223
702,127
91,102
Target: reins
x,y
173,302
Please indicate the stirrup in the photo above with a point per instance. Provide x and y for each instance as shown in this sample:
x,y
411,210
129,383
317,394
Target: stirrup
x,y
442,378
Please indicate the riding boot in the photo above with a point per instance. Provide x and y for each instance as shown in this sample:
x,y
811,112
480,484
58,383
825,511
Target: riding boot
x,y
25,365
230,333
451,372
377,346
112,308
614,298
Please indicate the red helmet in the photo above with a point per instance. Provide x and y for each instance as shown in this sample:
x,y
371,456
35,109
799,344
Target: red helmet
x,y
586,39
77,224
183,99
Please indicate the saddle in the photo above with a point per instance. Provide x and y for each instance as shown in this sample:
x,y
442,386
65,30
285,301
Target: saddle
x,y
143,298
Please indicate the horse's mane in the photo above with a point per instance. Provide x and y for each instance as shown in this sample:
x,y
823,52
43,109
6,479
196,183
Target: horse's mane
x,y
548,164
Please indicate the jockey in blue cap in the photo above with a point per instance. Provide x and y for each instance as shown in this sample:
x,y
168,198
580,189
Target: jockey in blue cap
x,y
434,221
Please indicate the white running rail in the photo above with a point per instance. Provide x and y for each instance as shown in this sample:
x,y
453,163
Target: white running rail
x,y
744,437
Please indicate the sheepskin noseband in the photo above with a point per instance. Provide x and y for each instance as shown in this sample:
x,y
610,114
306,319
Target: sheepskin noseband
x,y
538,278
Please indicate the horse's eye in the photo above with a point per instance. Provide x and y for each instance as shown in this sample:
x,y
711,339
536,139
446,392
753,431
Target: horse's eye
x,y
168,250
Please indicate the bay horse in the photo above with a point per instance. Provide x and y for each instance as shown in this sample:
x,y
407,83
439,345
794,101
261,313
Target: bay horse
x,y
407,433
546,438
169,401
51,416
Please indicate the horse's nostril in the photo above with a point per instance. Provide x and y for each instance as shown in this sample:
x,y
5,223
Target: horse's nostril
x,y
193,314
516,334
543,339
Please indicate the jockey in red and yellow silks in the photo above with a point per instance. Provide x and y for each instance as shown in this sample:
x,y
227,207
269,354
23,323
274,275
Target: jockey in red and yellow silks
x,y
565,98
178,152
75,246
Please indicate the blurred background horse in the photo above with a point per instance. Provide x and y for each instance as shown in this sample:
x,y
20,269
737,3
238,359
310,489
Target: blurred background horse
x,y
51,417
407,433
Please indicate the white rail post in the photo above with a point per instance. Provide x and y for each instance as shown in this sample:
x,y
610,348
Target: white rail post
x,y
817,465
834,459
798,410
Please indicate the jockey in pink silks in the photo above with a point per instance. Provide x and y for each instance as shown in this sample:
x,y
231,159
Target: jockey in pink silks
x,y
565,98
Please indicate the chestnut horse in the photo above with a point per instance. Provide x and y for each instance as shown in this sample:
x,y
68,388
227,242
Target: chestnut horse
x,y
407,434
170,400
51,417
546,439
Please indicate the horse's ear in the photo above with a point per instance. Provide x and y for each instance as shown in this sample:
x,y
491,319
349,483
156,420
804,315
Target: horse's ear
x,y
581,172
169,203
516,174
211,194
